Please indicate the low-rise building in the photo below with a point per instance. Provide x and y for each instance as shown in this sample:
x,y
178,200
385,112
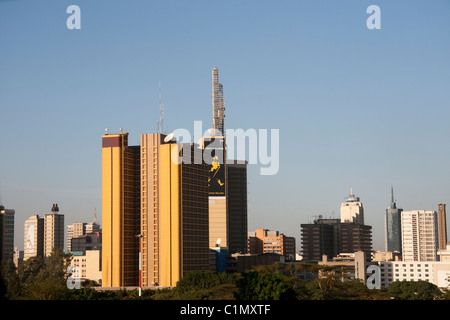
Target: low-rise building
x,y
87,266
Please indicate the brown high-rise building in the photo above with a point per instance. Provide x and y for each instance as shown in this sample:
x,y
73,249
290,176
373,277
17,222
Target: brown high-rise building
x,y
237,206
332,237
6,233
442,227
321,238
120,211
174,211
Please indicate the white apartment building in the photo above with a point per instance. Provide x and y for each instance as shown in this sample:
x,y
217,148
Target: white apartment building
x,y
436,272
74,230
419,235
53,231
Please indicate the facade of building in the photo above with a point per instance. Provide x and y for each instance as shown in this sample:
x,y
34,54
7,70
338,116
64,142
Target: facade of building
x,y
442,225
237,206
264,241
73,231
322,237
355,237
86,242
419,235
392,227
175,212
435,272
33,237
92,227
6,233
87,266
214,154
352,210
53,231
332,237
120,211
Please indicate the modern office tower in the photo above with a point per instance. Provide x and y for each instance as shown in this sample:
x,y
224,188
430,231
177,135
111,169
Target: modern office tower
x,y
34,237
120,211
73,231
392,227
264,241
237,206
174,211
352,210
419,235
214,148
53,231
6,233
442,225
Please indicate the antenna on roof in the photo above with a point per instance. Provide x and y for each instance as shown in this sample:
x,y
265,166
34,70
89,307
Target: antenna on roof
x,y
160,122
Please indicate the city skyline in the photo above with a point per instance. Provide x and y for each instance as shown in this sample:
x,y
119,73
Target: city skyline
x,y
356,108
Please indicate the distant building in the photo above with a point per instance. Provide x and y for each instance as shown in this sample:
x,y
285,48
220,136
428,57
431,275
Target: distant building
x,y
237,206
78,229
442,225
322,237
264,241
332,237
419,235
34,237
355,237
85,242
53,231
393,228
73,231
6,233
352,210
436,272
92,227
245,262
18,257
87,266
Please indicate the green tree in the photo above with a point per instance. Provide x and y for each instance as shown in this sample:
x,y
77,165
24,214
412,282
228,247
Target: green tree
x,y
203,280
414,290
256,286
11,280
45,279
29,269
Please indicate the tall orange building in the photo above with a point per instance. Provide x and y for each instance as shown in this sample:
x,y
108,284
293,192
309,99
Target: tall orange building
x,y
148,193
174,211
120,211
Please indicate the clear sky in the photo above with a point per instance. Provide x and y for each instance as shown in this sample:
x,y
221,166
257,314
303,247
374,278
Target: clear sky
x,y
355,108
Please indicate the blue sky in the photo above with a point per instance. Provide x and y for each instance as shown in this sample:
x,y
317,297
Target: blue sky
x,y
356,108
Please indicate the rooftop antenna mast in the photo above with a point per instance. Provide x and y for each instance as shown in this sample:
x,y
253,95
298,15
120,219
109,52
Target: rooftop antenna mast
x,y
218,104
160,122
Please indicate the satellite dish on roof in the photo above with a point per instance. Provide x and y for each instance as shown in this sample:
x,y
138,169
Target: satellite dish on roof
x,y
169,137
